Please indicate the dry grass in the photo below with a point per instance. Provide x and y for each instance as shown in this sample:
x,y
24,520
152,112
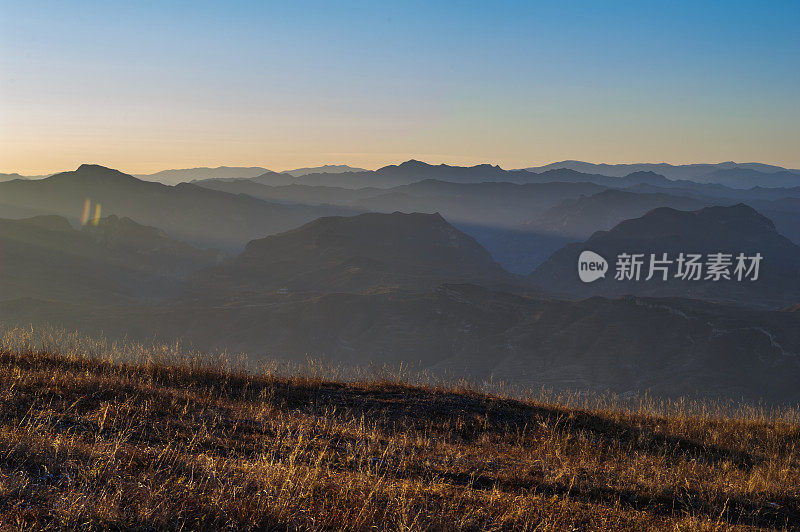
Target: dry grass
x,y
95,435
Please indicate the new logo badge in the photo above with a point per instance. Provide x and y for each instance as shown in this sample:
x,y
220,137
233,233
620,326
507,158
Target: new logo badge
x,y
591,266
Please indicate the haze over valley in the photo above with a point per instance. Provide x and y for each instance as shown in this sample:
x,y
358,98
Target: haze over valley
x,y
461,271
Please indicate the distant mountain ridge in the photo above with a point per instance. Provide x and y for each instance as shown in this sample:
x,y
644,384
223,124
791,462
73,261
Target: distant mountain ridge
x,y
12,176
748,177
185,175
188,212
116,260
324,169
734,229
617,176
358,254
582,216
508,217
392,287
738,175
413,171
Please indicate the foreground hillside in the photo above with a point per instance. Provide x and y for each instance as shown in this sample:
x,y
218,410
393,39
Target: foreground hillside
x,y
89,442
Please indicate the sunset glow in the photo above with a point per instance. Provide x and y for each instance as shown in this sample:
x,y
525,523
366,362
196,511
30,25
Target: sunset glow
x,y
189,84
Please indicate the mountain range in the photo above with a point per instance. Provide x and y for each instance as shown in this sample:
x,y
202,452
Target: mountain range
x,y
337,273
198,215
735,175
357,254
582,216
728,174
324,169
522,224
731,230
185,175
675,172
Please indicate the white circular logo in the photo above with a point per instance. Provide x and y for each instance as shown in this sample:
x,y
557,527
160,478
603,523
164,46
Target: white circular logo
x,y
591,266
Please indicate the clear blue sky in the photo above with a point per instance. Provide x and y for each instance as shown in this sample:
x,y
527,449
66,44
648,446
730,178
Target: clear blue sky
x,y
144,86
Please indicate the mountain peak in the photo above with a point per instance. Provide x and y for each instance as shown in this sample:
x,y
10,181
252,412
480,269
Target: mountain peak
x,y
324,169
85,167
94,172
413,163
358,253
731,230
644,173
739,217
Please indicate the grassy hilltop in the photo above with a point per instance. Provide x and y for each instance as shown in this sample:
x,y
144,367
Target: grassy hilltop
x,y
99,436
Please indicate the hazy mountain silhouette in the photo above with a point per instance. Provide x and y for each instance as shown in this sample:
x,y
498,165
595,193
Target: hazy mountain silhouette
x,y
185,175
413,288
738,175
784,212
374,299
125,235
578,218
617,176
357,254
293,193
582,216
10,177
734,229
116,260
748,178
716,180
713,190
364,289
493,213
518,249
502,203
494,204
325,169
406,173
522,248
675,172
511,220
187,212
413,171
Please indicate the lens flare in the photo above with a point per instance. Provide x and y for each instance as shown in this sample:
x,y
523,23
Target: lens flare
x,y
96,218
87,205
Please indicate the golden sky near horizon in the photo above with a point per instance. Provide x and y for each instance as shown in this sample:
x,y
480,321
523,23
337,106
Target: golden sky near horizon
x,y
34,145
144,87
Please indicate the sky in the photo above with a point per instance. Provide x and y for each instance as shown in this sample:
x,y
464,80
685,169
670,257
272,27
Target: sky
x,y
145,86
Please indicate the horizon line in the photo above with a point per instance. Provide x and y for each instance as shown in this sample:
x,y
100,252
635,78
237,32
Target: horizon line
x,y
178,168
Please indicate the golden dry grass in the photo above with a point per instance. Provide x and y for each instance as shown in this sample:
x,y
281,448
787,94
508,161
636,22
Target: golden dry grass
x,y
95,435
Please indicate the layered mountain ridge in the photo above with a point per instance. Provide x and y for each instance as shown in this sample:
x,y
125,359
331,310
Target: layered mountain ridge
x,y
733,230
309,272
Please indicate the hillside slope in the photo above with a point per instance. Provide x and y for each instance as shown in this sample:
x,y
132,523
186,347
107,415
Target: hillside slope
x,y
668,348
91,444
